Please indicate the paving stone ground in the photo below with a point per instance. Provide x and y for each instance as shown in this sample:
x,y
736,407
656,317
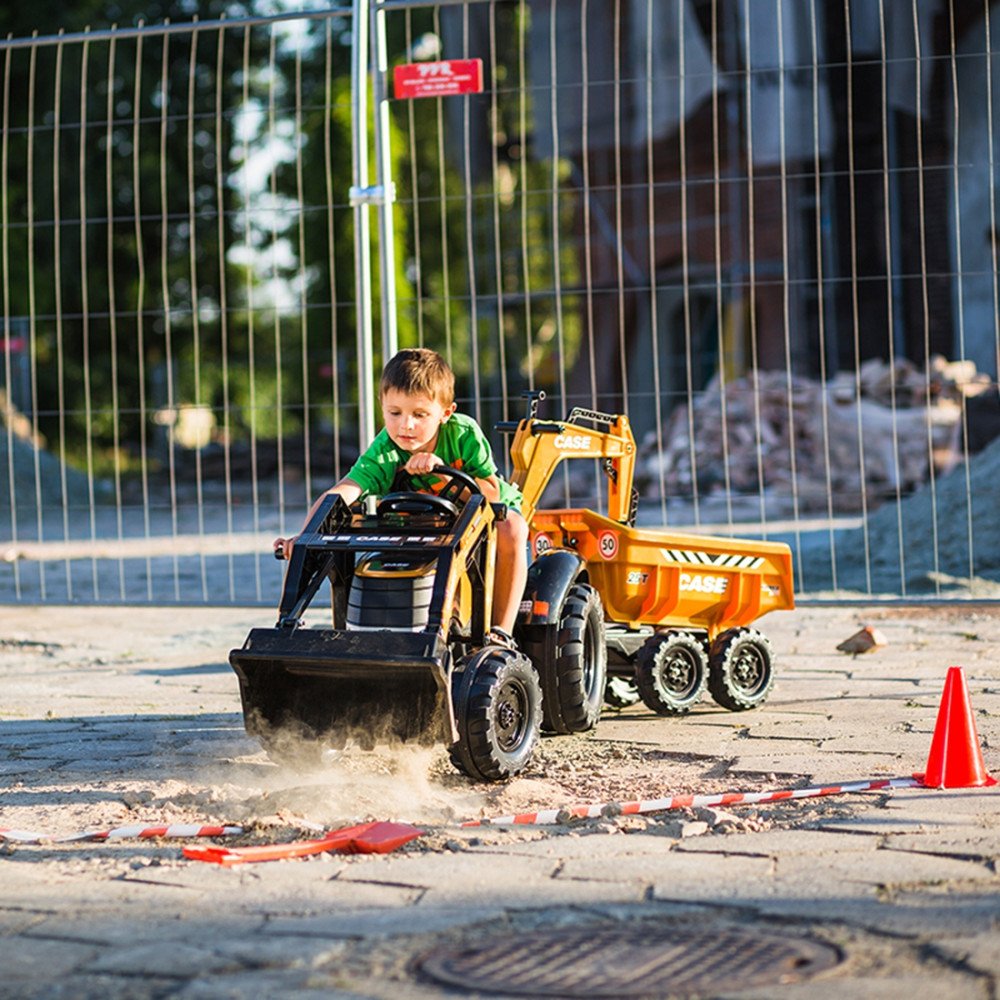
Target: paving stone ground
x,y
111,716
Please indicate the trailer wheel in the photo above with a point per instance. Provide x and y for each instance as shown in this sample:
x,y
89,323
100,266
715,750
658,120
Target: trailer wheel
x,y
571,658
498,710
620,692
741,669
671,670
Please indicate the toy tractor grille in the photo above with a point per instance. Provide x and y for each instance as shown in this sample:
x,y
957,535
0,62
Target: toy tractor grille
x,y
390,593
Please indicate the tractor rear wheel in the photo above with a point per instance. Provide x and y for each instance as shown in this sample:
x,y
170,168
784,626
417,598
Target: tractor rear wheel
x,y
498,711
571,658
741,669
671,670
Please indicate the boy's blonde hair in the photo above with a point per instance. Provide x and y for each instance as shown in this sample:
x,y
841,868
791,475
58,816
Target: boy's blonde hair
x,y
419,371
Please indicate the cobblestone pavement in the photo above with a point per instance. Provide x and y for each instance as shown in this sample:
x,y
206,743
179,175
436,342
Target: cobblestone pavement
x,y
112,716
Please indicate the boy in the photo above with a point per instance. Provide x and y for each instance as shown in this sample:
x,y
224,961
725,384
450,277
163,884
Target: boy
x,y
422,430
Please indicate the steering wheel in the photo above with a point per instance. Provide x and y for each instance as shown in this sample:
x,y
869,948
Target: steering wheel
x,y
408,501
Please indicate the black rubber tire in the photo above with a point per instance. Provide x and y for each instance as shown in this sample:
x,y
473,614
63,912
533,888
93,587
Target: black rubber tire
x,y
571,658
741,669
620,692
671,671
498,711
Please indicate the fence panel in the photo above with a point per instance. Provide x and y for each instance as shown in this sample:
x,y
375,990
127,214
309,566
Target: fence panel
x,y
741,222
177,280
762,228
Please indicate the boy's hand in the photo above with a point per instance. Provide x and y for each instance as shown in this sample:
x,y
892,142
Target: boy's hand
x,y
421,463
283,547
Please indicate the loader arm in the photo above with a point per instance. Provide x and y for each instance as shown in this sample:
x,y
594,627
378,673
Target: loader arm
x,y
540,445
308,568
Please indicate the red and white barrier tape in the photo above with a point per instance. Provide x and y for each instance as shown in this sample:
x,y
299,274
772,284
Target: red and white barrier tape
x,y
550,816
542,817
122,833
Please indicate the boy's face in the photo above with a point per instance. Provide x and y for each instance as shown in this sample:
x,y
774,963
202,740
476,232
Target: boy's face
x,y
413,422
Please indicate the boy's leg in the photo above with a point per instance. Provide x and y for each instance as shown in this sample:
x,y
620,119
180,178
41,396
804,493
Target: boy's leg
x,y
511,570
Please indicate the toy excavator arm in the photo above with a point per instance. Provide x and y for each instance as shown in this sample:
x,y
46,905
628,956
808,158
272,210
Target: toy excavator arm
x,y
540,445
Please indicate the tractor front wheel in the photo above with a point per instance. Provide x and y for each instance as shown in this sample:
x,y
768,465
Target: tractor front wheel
x,y
498,711
671,670
571,658
741,669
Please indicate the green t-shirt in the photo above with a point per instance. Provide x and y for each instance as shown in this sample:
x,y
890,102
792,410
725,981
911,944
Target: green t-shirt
x,y
460,444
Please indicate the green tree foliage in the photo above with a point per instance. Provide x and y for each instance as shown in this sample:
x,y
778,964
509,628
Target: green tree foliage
x,y
177,233
104,173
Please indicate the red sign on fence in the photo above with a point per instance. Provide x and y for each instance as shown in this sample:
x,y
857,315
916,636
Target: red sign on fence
x,y
438,79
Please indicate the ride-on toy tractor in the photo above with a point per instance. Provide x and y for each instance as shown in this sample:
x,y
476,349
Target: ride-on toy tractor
x,y
411,585
407,656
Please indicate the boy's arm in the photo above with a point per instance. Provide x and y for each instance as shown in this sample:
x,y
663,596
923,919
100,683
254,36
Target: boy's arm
x,y
347,489
490,488
423,462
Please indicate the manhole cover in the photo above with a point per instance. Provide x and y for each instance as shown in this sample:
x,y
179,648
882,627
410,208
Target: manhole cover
x,y
633,961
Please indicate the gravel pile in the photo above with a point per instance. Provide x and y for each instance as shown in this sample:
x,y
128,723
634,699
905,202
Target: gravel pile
x,y
942,539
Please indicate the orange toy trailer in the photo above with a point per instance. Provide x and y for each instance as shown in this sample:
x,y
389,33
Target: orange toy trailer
x,y
677,608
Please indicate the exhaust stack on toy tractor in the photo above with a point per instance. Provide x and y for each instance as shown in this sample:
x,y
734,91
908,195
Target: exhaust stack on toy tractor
x,y
408,657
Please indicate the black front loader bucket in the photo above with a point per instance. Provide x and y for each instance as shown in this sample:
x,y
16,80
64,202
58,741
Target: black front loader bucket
x,y
331,685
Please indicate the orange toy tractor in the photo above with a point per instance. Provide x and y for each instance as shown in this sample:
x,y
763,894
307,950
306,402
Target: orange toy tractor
x,y
408,656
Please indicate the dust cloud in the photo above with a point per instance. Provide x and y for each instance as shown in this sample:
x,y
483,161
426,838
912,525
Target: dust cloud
x,y
327,788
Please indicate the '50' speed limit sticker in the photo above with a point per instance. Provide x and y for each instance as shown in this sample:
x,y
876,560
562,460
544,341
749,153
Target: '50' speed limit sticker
x,y
607,544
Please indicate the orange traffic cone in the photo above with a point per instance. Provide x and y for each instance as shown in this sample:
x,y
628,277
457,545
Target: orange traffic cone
x,y
955,760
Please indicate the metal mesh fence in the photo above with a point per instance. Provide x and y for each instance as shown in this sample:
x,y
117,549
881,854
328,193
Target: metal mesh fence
x,y
762,228
176,287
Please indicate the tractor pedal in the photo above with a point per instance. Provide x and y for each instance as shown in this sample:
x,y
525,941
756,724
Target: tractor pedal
x,y
501,637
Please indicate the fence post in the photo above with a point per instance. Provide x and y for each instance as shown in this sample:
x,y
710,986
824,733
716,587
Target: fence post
x,y
384,185
360,195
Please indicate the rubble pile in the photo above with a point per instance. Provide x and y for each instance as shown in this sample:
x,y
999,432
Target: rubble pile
x,y
872,434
